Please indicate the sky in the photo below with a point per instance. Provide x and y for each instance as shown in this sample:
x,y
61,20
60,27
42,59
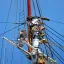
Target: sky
x,y
52,9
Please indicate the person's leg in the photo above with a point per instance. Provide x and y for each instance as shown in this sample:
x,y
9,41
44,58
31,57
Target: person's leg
x,y
20,43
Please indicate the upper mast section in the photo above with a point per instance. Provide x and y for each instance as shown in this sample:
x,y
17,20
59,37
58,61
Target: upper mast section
x,y
29,14
29,7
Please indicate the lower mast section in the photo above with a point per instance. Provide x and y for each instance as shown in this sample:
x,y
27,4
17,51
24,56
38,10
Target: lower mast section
x,y
37,35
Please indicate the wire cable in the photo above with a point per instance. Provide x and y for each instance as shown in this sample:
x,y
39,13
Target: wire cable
x,y
20,19
57,54
51,42
5,29
54,30
7,22
58,33
8,15
24,15
56,42
54,34
49,45
57,21
22,12
46,36
46,50
12,55
38,7
10,30
34,7
14,30
40,16
1,52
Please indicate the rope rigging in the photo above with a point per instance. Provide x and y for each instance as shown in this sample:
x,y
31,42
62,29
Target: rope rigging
x,y
57,21
16,2
3,35
47,39
51,42
55,41
44,44
34,7
21,18
37,3
9,29
46,36
53,51
12,55
1,52
57,33
49,45
12,29
54,30
54,34
48,49
24,15
19,24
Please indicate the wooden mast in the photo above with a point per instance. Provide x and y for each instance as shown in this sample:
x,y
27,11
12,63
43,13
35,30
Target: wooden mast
x,y
29,14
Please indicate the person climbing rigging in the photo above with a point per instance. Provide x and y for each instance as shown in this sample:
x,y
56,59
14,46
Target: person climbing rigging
x,y
37,29
23,37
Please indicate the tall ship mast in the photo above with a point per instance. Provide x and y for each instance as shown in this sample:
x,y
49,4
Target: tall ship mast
x,y
39,43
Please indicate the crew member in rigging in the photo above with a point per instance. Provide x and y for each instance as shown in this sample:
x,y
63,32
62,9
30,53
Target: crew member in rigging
x,y
23,37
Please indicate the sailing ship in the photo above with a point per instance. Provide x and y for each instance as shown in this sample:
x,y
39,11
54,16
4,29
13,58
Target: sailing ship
x,y
40,45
